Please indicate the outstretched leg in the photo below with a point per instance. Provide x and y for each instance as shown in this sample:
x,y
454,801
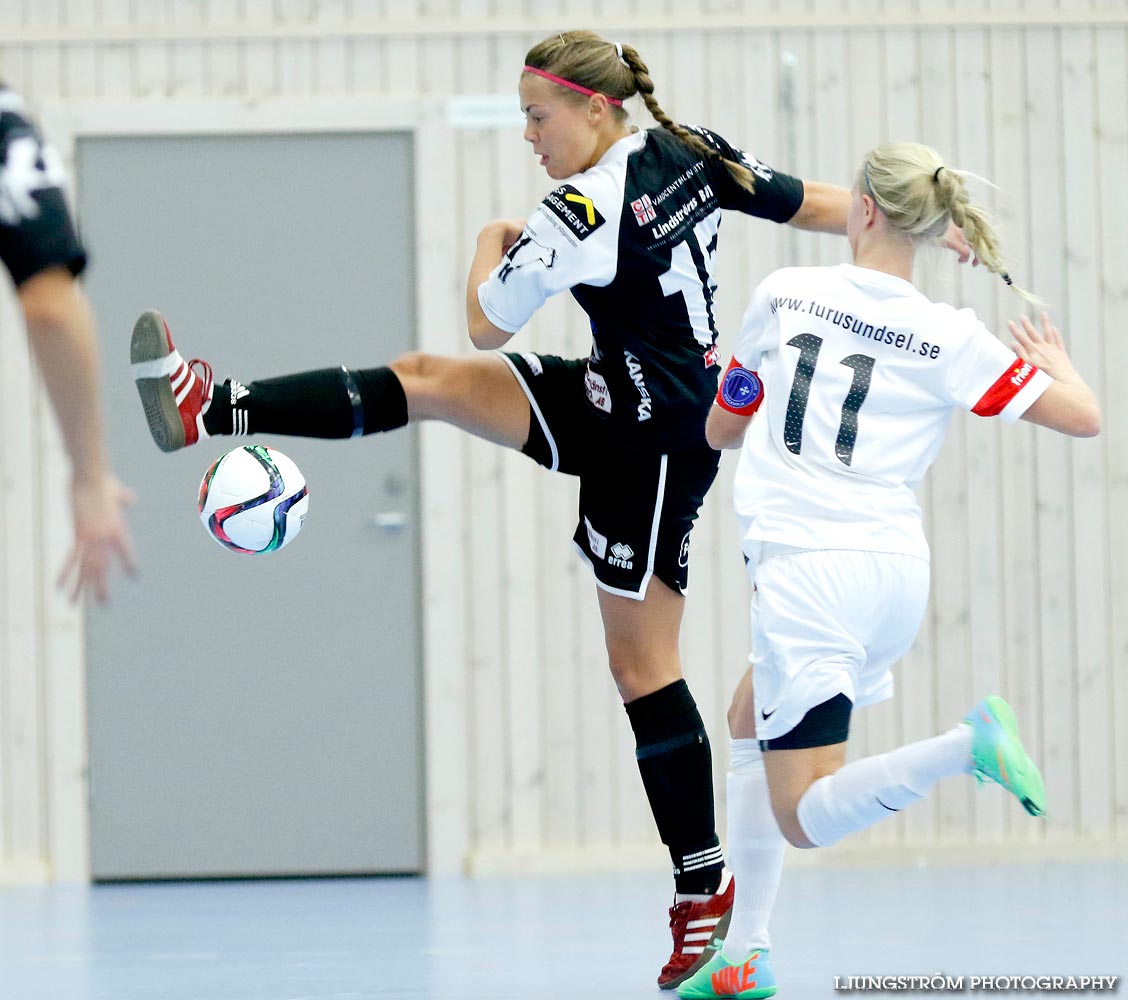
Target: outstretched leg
x,y
478,394
818,809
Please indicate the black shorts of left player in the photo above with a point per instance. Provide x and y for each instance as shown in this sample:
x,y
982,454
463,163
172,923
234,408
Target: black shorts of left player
x,y
637,508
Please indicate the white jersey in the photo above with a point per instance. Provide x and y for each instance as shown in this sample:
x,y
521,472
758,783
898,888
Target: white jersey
x,y
861,374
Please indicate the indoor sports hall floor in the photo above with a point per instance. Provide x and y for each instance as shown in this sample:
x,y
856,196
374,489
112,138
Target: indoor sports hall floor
x,y
543,937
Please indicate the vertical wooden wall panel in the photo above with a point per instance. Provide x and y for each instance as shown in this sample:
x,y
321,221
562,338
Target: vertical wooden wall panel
x,y
486,516
969,147
1011,171
915,709
188,74
80,75
1080,317
21,688
222,60
954,687
444,560
1052,453
330,55
529,624
365,54
260,58
1112,168
113,64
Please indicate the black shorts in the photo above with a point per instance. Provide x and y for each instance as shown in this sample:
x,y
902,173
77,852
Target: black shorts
x,y
637,508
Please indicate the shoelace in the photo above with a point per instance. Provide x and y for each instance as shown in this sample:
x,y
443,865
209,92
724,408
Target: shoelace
x,y
679,918
205,376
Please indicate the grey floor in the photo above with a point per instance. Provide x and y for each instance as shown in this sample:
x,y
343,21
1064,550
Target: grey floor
x,y
536,938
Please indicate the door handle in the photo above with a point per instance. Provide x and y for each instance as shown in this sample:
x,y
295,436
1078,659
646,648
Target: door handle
x,y
390,522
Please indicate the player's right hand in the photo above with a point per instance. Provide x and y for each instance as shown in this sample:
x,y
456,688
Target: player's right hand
x,y
100,534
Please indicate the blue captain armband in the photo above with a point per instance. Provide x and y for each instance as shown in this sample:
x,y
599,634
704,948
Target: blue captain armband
x,y
741,390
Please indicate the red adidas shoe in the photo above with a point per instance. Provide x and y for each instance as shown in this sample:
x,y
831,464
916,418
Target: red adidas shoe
x,y
174,396
699,931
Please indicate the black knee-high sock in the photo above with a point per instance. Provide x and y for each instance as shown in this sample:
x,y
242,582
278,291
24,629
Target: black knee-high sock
x,y
327,403
677,771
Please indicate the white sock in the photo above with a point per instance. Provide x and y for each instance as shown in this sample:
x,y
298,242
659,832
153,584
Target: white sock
x,y
755,852
867,790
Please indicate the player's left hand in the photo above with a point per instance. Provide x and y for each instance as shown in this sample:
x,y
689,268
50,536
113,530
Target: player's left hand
x,y
100,534
954,240
1044,348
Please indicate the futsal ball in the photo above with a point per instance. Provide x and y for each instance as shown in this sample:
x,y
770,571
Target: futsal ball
x,y
253,500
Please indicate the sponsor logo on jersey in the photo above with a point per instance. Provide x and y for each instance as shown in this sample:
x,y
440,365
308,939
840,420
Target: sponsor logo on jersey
x,y
534,363
1006,387
711,357
597,391
643,210
575,210
596,542
621,555
524,253
740,388
680,217
761,170
634,367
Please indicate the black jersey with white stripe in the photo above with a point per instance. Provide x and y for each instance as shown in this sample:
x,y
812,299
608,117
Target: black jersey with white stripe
x,y
633,239
36,229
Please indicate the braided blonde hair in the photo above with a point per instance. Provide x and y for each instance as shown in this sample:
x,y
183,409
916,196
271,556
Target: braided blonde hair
x,y
919,194
585,58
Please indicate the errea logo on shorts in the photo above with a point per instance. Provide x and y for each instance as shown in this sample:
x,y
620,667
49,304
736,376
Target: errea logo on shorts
x,y
621,556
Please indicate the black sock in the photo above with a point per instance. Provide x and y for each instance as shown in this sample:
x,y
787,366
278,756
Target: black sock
x,y
677,772
327,403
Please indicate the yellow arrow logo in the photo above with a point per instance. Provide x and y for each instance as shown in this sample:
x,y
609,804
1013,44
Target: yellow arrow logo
x,y
579,199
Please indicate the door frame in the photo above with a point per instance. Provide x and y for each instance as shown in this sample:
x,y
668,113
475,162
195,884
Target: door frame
x,y
440,328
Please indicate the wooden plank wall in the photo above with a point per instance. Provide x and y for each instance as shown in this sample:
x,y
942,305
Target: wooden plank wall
x,y
529,754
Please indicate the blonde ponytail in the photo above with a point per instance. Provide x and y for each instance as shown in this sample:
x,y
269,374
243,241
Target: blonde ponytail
x,y
919,194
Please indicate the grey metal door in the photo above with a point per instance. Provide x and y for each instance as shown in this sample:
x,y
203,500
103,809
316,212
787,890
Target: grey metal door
x,y
257,715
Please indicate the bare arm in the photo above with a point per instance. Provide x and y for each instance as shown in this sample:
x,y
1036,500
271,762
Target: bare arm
x,y
493,241
61,335
1068,405
824,208
725,429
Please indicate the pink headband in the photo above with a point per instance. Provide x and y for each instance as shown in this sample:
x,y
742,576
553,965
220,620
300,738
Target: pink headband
x,y
572,86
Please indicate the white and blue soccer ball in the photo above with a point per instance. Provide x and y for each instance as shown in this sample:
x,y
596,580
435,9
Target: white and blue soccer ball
x,y
253,500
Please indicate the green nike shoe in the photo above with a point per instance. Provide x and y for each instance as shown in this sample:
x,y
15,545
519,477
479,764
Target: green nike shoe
x,y
997,753
751,979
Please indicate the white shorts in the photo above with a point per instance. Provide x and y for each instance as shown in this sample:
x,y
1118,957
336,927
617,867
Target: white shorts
x,y
830,622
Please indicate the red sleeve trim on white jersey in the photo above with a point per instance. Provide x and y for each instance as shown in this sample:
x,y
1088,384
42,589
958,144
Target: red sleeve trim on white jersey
x,y
1006,387
740,391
